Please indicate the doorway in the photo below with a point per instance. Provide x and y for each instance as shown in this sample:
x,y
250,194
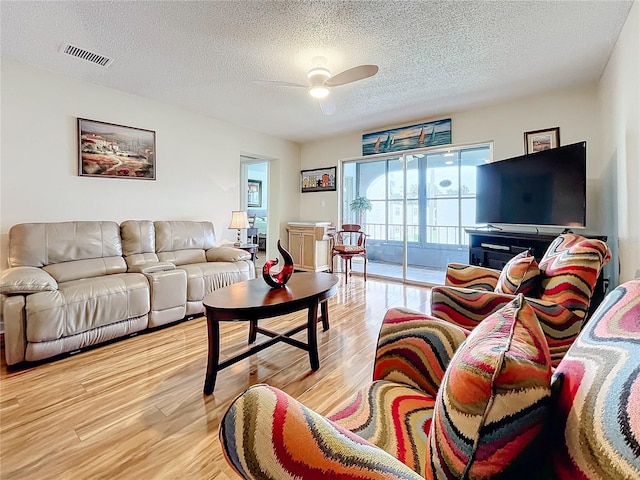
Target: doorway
x,y
254,199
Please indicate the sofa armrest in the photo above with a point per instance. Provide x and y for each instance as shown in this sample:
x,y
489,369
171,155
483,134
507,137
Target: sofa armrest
x,y
471,276
266,433
15,336
154,267
467,308
25,280
415,349
226,254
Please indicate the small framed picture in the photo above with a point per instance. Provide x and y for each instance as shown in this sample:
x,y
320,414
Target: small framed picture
x,y
318,180
539,140
254,193
115,151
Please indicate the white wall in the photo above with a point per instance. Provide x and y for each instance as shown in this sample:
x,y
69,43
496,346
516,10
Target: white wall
x,y
574,111
197,160
620,106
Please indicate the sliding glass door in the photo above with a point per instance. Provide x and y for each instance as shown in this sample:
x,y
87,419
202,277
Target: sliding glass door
x,y
420,204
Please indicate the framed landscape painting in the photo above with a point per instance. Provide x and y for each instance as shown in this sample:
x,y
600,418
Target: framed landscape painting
x,y
406,138
539,140
318,180
115,151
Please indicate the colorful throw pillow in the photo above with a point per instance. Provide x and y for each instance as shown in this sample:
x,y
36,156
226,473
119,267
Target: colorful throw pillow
x,y
570,269
519,275
493,404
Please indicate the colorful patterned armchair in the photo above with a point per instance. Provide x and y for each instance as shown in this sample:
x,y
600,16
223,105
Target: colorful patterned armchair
x,y
559,289
449,403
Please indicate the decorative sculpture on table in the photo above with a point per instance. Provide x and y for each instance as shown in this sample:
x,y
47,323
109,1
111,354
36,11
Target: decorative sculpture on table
x,y
281,278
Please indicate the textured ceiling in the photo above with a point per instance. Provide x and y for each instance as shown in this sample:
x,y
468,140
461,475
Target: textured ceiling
x,y
434,57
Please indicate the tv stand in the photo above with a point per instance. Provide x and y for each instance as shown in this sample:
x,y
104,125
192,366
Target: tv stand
x,y
493,249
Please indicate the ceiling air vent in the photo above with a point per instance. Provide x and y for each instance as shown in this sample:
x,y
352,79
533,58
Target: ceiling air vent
x,y
86,55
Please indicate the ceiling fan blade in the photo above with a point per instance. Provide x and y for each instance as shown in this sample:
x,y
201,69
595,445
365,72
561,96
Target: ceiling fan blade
x,y
327,105
281,84
352,75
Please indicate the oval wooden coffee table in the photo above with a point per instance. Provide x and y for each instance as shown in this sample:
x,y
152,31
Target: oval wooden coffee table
x,y
253,300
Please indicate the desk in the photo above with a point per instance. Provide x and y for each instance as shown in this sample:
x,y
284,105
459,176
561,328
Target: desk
x,y
253,300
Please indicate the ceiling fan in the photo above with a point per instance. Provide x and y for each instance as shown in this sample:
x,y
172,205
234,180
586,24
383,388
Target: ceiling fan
x,y
321,81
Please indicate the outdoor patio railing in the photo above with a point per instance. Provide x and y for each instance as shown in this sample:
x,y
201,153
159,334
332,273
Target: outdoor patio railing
x,y
392,232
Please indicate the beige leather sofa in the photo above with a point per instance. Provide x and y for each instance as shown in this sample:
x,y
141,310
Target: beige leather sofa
x,y
71,285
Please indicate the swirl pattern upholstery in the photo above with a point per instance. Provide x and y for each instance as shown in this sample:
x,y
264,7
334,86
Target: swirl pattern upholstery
x,y
393,413
598,409
520,275
387,430
494,400
471,276
412,355
569,270
268,434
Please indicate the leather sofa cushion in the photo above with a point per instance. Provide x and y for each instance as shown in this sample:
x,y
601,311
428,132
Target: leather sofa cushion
x,y
40,244
77,269
138,236
81,305
183,257
173,236
227,254
24,280
204,278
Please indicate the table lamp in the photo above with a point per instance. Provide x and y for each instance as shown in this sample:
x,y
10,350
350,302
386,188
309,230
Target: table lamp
x,y
239,221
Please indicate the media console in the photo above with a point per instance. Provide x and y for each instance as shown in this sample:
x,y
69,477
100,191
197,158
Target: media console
x,y
494,248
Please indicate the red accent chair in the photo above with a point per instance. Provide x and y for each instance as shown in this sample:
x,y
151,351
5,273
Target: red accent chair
x,y
347,243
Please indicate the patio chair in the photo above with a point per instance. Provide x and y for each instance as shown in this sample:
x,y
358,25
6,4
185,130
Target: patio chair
x,y
347,243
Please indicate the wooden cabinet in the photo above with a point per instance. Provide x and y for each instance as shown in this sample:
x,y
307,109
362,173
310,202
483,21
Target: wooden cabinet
x,y
309,245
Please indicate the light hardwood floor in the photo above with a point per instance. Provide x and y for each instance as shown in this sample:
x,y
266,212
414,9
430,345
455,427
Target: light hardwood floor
x,y
135,409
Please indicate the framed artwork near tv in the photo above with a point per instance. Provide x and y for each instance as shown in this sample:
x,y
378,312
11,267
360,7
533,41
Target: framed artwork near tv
x,y
318,180
115,151
254,193
539,140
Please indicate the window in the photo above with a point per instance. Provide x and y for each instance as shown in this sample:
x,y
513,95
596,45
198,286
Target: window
x,y
440,194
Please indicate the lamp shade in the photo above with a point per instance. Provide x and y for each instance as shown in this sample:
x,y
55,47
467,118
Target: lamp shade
x,y
239,219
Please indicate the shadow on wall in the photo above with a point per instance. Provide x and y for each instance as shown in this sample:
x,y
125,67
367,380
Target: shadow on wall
x,y
609,206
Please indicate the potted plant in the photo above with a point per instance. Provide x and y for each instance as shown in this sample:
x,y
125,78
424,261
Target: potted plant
x,y
361,205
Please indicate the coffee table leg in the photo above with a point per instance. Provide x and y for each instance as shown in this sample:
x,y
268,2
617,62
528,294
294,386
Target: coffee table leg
x,y
312,336
253,334
213,331
324,307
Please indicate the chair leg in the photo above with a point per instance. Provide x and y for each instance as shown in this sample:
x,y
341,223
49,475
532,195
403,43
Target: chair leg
x,y
365,268
346,270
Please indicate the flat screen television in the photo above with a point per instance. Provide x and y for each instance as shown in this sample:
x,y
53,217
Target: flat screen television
x,y
546,188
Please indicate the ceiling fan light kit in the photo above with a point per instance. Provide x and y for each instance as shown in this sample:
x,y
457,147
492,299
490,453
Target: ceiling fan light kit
x,y
317,76
321,81
319,91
